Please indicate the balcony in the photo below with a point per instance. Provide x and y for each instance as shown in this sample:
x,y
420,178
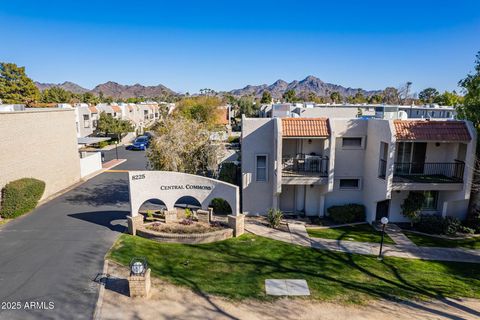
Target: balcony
x,y
428,172
305,166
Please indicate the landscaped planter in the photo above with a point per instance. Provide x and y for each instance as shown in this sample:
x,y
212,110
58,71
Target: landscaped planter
x,y
188,238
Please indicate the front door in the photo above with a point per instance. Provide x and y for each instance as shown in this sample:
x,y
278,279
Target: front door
x,y
382,209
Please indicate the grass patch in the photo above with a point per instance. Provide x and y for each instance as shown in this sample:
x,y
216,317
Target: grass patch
x,y
358,232
237,268
429,241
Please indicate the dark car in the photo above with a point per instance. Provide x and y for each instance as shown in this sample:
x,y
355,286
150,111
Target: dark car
x,y
141,143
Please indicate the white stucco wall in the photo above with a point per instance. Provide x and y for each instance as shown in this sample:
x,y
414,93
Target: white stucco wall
x,y
170,186
90,163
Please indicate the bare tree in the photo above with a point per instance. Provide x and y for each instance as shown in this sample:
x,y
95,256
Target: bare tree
x,y
183,145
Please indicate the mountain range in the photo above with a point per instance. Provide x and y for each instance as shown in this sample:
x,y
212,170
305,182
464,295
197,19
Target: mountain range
x,y
113,89
309,84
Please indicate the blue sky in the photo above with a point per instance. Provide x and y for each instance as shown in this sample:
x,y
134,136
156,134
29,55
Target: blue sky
x,y
188,45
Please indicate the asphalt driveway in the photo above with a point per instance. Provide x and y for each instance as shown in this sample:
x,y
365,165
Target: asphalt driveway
x,y
53,255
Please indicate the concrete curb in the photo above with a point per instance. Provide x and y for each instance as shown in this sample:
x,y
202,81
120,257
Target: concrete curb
x,y
101,292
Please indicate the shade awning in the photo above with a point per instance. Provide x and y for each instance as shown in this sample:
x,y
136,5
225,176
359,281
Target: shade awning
x,y
91,140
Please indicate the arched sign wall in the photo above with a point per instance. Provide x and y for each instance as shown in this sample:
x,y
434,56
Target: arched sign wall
x,y
170,186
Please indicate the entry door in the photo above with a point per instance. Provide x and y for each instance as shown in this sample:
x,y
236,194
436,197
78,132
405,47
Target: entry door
x,y
418,157
382,209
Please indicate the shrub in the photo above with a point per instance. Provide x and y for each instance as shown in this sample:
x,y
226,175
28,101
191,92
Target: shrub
x,y
347,213
435,224
21,196
150,214
451,225
233,139
467,230
188,214
473,221
429,223
274,217
102,144
412,205
220,206
186,222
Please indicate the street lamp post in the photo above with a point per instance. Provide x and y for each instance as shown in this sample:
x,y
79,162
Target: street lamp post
x,y
384,222
116,148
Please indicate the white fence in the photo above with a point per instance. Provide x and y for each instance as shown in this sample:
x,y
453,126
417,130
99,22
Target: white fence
x,y
90,162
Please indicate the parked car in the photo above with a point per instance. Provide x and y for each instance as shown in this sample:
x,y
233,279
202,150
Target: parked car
x,y
140,143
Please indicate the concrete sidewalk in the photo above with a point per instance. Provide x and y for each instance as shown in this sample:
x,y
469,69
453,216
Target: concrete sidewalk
x,y
299,236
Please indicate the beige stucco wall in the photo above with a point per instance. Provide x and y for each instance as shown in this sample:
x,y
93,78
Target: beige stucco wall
x,y
258,138
39,144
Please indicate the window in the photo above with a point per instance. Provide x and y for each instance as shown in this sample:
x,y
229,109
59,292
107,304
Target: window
x,y
261,168
430,201
352,142
86,121
349,183
382,167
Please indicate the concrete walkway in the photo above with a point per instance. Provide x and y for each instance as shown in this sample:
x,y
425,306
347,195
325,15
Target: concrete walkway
x,y
396,234
298,235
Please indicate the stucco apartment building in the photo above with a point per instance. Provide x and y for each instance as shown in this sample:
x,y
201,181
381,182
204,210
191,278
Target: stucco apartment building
x,y
41,144
306,165
311,110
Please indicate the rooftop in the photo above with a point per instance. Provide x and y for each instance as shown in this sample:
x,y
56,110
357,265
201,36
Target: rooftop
x,y
305,127
431,130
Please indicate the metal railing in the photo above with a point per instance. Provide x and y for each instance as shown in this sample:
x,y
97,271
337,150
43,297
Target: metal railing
x,y
430,171
306,165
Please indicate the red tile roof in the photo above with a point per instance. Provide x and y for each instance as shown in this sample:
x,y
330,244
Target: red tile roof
x,y
431,130
116,109
93,109
305,127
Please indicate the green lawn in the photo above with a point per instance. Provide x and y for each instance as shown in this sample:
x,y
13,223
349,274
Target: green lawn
x,y
237,268
428,241
358,232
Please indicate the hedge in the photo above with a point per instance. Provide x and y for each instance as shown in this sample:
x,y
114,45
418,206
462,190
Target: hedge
x,y
220,206
435,224
347,213
21,196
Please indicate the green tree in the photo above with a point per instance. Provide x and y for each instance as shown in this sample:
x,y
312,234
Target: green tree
x,y
57,95
109,125
470,109
290,96
89,97
471,100
375,99
16,86
336,97
428,95
247,106
412,206
183,145
358,98
266,97
449,99
202,109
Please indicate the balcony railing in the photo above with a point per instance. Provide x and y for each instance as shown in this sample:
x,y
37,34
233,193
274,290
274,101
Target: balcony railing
x,y
429,172
305,165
